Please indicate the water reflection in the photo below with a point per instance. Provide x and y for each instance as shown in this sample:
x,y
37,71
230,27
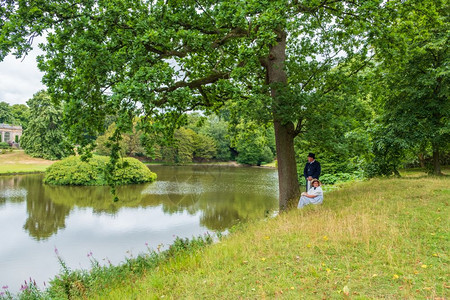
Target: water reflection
x,y
221,196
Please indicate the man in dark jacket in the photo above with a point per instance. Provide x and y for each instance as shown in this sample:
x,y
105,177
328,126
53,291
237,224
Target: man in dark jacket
x,y
312,170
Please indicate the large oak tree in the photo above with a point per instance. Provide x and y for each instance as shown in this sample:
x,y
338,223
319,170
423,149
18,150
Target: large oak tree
x,y
160,58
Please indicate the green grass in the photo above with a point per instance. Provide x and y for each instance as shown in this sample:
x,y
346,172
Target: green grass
x,y
17,162
382,238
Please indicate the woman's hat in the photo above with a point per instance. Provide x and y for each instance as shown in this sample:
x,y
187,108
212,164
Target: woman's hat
x,y
316,180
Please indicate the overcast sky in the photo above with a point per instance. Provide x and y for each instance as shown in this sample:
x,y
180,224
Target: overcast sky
x,y
19,80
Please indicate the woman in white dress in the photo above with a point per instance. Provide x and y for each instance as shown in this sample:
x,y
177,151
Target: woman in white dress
x,y
313,196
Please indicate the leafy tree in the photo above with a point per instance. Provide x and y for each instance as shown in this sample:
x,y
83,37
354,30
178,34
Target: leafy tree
x,y
217,129
6,115
252,143
413,82
130,143
204,147
160,58
44,136
21,114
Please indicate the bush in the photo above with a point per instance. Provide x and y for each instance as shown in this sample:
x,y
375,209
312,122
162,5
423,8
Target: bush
x,y
4,145
74,171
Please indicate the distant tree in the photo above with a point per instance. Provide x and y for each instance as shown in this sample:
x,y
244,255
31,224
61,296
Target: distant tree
x,y
45,136
130,143
252,144
21,114
6,115
204,147
217,128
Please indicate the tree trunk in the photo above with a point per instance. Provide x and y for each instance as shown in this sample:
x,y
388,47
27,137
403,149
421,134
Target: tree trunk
x,y
421,160
436,163
284,131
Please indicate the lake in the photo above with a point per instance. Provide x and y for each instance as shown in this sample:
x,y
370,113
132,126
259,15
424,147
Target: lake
x,y
185,201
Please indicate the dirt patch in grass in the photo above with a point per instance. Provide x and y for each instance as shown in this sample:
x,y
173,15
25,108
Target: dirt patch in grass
x,y
18,162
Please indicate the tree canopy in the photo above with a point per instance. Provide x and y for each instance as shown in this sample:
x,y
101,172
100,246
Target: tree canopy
x,y
45,137
277,61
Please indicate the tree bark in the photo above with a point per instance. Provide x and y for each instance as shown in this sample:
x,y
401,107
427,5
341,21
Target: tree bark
x,y
284,131
421,160
436,163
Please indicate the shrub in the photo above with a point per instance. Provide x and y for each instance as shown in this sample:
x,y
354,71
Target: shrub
x,y
74,171
4,145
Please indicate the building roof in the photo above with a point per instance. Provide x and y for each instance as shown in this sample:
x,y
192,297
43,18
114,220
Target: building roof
x,y
8,126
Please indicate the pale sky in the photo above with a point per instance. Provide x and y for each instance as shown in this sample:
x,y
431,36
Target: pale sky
x,y
19,80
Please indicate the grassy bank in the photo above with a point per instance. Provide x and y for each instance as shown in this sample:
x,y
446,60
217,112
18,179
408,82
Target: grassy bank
x,y
17,162
383,238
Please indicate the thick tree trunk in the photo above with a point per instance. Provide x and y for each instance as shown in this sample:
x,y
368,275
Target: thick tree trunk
x,y
287,168
436,163
284,131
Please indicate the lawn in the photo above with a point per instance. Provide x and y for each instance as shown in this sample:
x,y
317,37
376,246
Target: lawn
x,y
17,162
381,238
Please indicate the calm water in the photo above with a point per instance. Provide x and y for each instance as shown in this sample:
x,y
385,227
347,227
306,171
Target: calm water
x,y
184,201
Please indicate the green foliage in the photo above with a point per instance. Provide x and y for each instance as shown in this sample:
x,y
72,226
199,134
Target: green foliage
x,y
74,171
186,146
6,115
252,143
411,85
129,144
45,136
4,145
21,115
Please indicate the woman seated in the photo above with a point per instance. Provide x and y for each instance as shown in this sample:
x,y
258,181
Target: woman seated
x,y
314,195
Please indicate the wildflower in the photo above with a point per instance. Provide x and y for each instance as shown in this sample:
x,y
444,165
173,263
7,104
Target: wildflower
x,y
56,251
424,266
325,238
395,276
436,254
292,288
267,237
328,270
374,275
346,290
263,259
4,287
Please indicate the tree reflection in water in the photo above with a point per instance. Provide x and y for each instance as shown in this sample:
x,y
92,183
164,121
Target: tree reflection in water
x,y
222,195
45,217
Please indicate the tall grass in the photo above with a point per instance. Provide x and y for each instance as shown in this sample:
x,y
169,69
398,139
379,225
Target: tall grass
x,y
384,238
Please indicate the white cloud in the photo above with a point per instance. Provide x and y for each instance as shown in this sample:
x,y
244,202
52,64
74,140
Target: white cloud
x,y
20,79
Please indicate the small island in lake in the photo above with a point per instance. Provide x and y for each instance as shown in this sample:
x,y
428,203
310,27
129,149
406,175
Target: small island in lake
x,y
74,171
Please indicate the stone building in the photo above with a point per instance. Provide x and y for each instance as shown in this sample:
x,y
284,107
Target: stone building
x,y
10,133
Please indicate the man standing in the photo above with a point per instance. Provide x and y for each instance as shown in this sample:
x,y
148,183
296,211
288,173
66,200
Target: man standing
x,y
312,170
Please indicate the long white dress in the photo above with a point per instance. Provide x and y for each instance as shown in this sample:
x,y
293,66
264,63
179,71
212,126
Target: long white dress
x,y
318,199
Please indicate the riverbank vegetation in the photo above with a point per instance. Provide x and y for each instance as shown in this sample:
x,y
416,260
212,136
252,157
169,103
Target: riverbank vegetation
x,y
74,171
383,238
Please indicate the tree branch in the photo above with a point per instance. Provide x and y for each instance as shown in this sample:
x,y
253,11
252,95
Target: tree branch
x,y
195,84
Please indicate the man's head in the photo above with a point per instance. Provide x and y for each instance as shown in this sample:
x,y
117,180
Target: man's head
x,y
311,157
